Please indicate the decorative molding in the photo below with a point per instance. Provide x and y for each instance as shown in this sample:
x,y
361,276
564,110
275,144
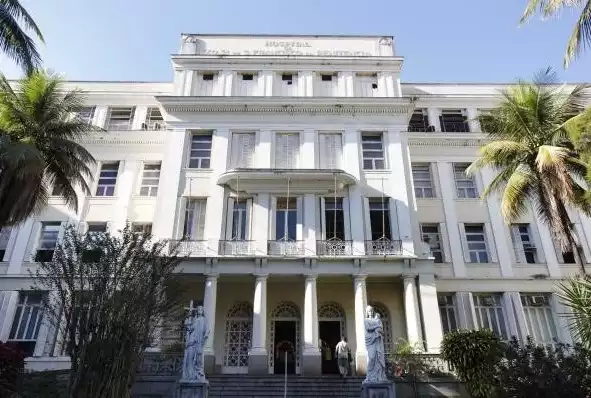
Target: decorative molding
x,y
446,141
293,109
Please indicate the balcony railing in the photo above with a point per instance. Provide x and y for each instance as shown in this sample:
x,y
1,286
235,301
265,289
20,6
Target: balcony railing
x,y
334,247
189,248
237,247
455,127
286,247
383,247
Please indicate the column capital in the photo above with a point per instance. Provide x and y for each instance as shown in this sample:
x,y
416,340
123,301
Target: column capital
x,y
407,277
311,277
212,277
261,277
359,278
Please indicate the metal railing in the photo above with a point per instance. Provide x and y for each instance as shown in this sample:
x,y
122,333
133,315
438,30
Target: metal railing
x,y
237,247
424,128
189,248
286,247
383,247
334,247
160,364
455,127
417,367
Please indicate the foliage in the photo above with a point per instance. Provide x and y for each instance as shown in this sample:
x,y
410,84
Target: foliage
x,y
581,35
530,370
38,148
45,384
12,363
109,293
15,43
575,293
473,354
535,161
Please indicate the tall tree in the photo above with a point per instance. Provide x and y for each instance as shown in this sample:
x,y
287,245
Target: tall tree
x,y
581,35
534,157
15,43
38,148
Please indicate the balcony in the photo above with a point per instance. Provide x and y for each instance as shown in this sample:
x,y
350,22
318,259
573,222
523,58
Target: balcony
x,y
454,127
237,247
334,247
383,247
189,248
288,248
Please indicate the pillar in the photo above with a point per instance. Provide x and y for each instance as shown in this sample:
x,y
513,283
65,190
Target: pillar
x,y
311,359
411,310
125,184
257,356
473,123
360,294
209,302
310,224
433,115
431,317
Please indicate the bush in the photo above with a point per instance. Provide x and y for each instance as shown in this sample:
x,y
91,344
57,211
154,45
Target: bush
x,y
474,354
12,364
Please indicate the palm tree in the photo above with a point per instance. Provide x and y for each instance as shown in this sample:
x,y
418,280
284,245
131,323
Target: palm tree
x,y
38,151
576,294
534,157
581,35
15,43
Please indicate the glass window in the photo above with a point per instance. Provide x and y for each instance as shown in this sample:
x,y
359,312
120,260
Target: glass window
x,y
27,321
539,318
379,218
447,310
150,179
200,157
465,186
335,218
154,119
107,179
4,238
47,241
85,114
419,121
372,146
120,118
525,249
240,220
490,314
432,236
194,228
286,219
454,121
421,177
476,241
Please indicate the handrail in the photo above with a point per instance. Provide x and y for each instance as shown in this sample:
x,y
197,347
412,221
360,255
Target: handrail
x,y
285,376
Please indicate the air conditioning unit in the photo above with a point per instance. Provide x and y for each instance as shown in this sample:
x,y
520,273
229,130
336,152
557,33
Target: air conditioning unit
x,y
487,301
537,300
144,126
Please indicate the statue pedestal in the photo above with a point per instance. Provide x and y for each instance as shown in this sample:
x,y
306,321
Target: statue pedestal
x,y
192,389
383,389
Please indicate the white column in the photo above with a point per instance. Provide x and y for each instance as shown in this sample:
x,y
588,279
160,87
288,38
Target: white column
x,y
263,158
166,205
310,316
431,316
310,224
346,84
228,82
259,316
360,293
8,303
447,184
267,80
177,82
188,87
433,115
19,250
260,222
472,114
209,304
125,185
309,160
411,310
308,83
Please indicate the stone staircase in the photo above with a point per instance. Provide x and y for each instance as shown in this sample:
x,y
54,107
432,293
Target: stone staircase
x,y
241,386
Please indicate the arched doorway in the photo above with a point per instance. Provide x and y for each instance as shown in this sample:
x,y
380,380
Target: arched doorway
x,y
284,339
331,326
382,310
237,338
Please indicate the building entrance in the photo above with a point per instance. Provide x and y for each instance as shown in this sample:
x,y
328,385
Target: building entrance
x,y
285,347
330,335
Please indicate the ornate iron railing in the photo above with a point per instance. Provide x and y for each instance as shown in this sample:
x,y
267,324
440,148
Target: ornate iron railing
x,y
190,248
286,247
455,127
417,367
383,247
334,247
237,247
159,364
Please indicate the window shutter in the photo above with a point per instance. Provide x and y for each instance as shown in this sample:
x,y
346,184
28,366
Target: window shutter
x,y
464,242
366,218
293,150
336,150
273,219
330,150
247,218
393,210
249,144
201,206
229,218
34,242
324,151
347,218
235,161
299,219
281,151
517,244
323,217
535,235
444,242
490,242
583,242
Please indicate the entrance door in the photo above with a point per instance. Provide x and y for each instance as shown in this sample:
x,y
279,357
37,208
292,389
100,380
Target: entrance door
x,y
330,335
285,346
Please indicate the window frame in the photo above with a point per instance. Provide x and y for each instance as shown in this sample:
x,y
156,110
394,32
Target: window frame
x,y
89,120
106,186
42,240
423,189
464,179
151,190
289,208
120,126
448,306
200,159
24,311
479,253
373,160
480,306
384,214
439,237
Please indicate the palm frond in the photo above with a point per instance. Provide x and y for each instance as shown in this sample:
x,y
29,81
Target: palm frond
x,y
575,293
15,43
517,192
581,35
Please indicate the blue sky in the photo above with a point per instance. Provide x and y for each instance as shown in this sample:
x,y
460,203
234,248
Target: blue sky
x,y
442,41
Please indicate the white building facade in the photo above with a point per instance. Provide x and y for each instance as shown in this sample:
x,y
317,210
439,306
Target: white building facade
x,y
308,182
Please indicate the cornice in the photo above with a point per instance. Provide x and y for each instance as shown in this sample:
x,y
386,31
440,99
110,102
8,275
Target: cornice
x,y
474,140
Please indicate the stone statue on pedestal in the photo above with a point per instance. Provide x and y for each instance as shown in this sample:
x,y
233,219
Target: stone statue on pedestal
x,y
376,384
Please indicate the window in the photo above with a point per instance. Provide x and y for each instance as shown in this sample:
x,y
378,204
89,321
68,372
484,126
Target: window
x,y
372,146
421,177
454,121
447,310
194,228
27,321
525,249
107,179
476,243
154,119
379,218
334,216
243,145
120,118
240,220
4,238
141,228
150,179
326,78
47,241
539,318
97,228
286,219
287,78
200,151
287,150
490,314
432,236
331,150
85,114
208,77
419,121
247,76
465,185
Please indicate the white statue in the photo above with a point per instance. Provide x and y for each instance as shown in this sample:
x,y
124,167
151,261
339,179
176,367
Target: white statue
x,y
374,343
197,332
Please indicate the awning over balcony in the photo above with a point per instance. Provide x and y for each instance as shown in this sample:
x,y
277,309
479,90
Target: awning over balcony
x,y
301,181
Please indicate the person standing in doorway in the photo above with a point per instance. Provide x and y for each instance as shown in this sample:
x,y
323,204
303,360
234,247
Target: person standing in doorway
x,y
343,353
